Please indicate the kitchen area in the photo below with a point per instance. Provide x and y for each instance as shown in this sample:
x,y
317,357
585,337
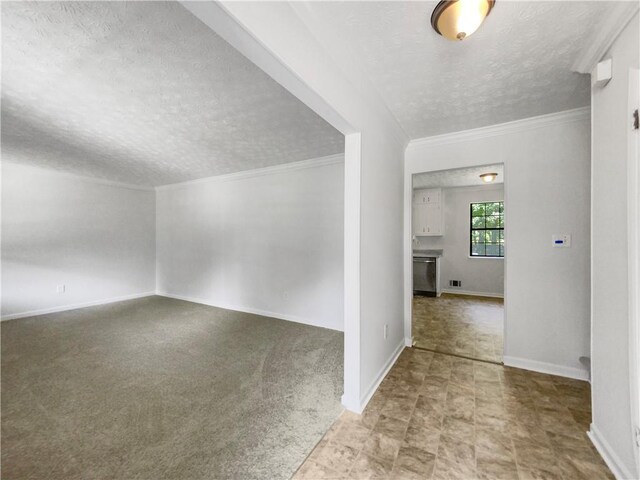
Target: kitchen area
x,y
458,261
427,221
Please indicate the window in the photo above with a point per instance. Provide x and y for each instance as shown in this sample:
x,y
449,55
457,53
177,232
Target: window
x,y
487,229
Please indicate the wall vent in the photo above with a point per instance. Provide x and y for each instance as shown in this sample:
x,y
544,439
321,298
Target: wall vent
x,y
455,283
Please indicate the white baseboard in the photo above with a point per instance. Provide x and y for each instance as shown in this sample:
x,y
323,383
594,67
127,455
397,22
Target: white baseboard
x,y
378,379
474,294
608,455
549,368
64,308
254,311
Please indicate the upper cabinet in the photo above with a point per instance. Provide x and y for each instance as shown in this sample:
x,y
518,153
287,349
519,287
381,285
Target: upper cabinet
x,y
427,195
428,211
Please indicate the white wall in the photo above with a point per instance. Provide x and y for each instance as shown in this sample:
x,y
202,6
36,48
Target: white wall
x,y
98,239
268,241
547,183
610,322
478,275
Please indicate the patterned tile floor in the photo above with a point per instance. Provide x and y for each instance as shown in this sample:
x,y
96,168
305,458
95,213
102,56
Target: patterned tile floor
x,y
443,417
460,325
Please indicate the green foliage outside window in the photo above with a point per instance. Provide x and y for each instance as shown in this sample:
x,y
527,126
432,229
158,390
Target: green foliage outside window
x,y
487,229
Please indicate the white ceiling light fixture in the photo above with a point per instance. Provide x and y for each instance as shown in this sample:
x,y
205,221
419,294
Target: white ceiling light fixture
x,y
488,177
457,19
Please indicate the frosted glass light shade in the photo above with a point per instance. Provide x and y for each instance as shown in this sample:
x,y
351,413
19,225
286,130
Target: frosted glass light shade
x,y
457,19
488,177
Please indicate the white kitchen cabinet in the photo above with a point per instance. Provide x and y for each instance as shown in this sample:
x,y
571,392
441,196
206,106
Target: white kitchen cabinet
x,y
427,213
427,195
419,220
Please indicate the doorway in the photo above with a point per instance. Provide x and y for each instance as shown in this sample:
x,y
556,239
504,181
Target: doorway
x,y
458,250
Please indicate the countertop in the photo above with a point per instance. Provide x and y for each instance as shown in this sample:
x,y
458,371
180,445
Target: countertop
x,y
427,253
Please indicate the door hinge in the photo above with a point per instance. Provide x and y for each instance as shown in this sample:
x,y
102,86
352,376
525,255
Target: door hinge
x,y
637,435
636,122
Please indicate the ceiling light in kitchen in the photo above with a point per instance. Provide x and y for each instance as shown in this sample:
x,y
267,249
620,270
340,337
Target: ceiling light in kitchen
x,y
488,177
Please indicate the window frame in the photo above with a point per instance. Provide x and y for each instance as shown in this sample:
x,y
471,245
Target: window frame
x,y
485,229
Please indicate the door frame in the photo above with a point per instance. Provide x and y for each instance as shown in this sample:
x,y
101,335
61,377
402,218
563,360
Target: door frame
x,y
408,248
633,232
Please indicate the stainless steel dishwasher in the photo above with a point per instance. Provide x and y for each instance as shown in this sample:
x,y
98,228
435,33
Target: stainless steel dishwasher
x,y
424,275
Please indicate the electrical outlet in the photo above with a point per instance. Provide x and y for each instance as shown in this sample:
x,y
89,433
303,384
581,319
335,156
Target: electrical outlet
x,y
386,331
61,288
455,283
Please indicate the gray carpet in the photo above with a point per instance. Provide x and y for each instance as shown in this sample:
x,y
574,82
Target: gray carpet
x,y
159,388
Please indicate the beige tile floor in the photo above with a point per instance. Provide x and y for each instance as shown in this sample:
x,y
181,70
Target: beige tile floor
x,y
443,417
460,325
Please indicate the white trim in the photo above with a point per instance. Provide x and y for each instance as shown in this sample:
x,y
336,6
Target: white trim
x,y
526,124
408,245
473,294
64,308
633,246
619,15
609,455
548,368
378,379
83,178
505,306
352,272
591,248
258,172
481,257
244,309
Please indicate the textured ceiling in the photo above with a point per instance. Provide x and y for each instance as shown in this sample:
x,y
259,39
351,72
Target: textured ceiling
x,y
143,93
517,65
459,177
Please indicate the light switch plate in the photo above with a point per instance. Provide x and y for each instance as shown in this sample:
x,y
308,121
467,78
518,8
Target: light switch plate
x,y
561,240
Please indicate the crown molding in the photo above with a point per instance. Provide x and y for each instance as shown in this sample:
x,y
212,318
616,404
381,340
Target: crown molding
x,y
259,172
507,128
620,14
82,178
